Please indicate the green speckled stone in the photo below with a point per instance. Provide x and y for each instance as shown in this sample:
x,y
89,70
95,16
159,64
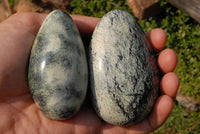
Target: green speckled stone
x,y
58,73
123,71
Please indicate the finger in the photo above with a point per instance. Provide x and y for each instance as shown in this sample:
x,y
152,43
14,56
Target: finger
x,y
85,24
170,84
21,29
161,111
29,20
158,116
167,60
157,38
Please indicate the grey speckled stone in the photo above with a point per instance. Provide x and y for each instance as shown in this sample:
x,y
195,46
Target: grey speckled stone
x,y
58,73
124,75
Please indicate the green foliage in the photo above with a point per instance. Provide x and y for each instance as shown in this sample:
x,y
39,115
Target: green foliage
x,y
12,2
181,121
183,36
97,8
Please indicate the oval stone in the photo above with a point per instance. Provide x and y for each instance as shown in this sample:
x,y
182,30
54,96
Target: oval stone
x,y
58,73
123,71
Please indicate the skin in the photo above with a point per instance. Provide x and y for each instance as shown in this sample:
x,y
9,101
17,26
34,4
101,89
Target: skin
x,y
19,113
167,56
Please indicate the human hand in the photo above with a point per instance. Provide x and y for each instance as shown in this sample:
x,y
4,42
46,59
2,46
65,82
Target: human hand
x,y
19,113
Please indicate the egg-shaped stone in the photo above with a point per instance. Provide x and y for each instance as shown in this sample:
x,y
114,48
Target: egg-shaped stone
x,y
123,72
58,73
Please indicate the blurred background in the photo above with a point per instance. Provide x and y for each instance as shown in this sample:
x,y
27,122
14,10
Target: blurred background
x,y
181,21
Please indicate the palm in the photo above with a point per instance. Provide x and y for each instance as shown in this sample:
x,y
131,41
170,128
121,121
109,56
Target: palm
x,y
19,113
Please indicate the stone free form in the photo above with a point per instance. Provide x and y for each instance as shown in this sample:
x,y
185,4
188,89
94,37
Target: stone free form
x,y
123,71
58,73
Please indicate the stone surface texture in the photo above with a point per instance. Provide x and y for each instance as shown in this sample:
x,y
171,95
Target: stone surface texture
x,y
123,71
58,71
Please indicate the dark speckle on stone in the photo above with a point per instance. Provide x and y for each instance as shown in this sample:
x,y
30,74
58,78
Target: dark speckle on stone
x,y
124,78
58,71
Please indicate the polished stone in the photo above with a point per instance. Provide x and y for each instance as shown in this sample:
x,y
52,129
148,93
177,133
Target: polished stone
x,y
58,73
123,71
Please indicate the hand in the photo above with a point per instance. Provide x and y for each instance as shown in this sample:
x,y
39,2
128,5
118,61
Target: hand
x,y
18,112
